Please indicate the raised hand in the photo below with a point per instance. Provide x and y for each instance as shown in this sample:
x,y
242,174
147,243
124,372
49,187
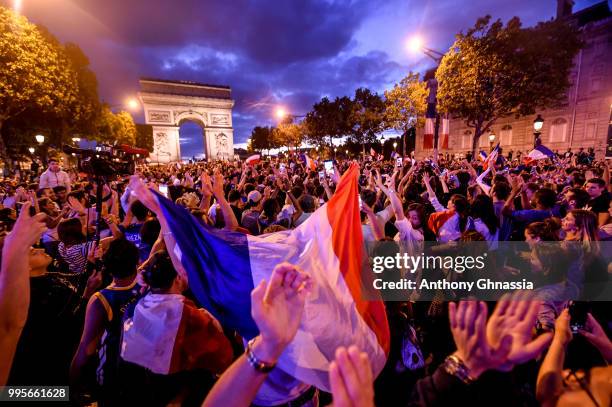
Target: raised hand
x,y
144,195
217,187
595,334
351,380
468,325
26,231
515,316
277,306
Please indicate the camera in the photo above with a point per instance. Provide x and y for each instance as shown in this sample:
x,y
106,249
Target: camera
x,y
105,161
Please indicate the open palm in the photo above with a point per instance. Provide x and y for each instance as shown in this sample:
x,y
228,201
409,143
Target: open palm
x,y
277,306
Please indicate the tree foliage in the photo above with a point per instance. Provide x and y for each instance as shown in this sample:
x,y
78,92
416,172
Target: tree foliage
x,y
493,71
115,127
263,138
367,115
289,134
328,119
406,103
35,74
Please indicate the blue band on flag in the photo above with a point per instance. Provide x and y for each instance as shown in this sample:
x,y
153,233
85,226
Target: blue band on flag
x,y
217,265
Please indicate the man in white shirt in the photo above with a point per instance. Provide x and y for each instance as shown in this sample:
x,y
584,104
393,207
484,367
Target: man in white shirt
x,y
54,176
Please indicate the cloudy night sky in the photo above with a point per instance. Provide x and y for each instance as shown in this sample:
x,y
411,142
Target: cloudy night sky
x,y
289,52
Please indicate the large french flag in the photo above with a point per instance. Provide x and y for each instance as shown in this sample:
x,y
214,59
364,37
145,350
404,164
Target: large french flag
x,y
223,268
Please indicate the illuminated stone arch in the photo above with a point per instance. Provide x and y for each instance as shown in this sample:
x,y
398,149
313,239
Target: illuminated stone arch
x,y
168,104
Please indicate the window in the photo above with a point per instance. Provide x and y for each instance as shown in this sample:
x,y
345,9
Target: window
x,y
558,130
483,142
505,136
466,139
591,129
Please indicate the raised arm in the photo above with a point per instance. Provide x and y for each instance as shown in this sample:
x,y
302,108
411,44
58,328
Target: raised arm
x,y
550,380
231,223
277,309
396,203
432,194
479,180
15,284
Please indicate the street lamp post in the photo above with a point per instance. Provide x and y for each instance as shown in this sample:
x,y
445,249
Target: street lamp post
x,y
416,45
40,139
394,145
538,123
491,140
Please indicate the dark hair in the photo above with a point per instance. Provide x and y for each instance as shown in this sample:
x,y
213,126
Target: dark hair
x,y
368,197
270,207
581,196
463,177
501,190
297,191
462,208
600,182
149,231
59,188
547,230
546,197
307,203
233,195
139,210
160,272
482,208
70,231
121,258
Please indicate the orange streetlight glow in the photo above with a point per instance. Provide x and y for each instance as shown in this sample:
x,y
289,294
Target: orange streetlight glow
x,y
132,104
280,113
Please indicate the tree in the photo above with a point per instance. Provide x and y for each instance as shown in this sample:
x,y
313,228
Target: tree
x,y
328,119
493,71
85,112
34,75
366,117
262,138
290,134
119,128
405,104
144,137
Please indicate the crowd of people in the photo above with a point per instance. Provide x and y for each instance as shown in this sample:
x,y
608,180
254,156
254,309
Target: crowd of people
x,y
78,273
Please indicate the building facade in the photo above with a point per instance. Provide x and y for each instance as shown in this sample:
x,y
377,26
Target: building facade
x,y
582,122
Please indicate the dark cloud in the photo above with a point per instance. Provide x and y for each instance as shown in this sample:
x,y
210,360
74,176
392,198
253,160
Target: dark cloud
x,y
289,52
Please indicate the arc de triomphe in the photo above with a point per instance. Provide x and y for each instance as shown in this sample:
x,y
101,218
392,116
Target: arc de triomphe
x,y
167,104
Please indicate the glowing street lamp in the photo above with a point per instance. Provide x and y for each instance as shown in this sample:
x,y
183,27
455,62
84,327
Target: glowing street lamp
x,y
31,150
415,44
394,145
132,104
347,152
76,140
39,138
491,140
280,113
538,123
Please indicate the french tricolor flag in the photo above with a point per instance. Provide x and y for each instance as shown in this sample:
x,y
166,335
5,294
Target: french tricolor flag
x,y
540,153
223,267
253,159
167,333
308,162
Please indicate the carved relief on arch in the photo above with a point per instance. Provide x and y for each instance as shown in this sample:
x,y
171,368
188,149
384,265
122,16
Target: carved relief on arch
x,y
181,115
